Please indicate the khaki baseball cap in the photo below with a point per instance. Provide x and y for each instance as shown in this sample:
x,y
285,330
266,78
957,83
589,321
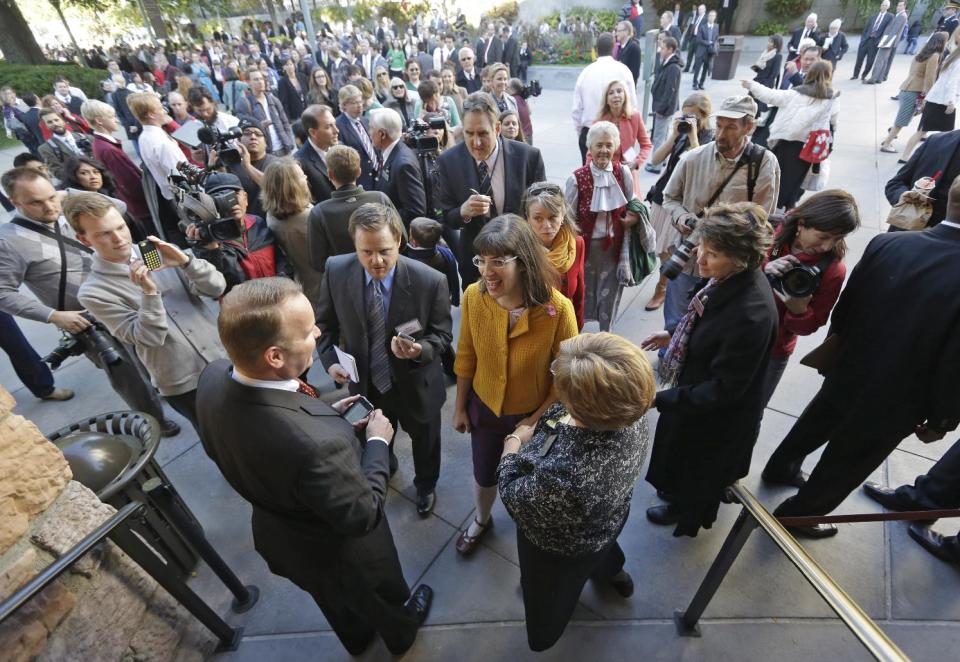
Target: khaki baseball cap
x,y
737,107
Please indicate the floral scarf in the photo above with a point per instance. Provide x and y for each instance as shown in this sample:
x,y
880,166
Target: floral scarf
x,y
673,359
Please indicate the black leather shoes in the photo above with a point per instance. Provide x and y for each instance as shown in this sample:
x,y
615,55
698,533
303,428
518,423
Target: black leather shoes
x,y
798,479
425,503
944,548
419,603
169,428
622,583
815,531
662,515
888,498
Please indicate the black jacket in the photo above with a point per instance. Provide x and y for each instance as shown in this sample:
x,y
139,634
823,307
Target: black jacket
x,y
794,44
707,39
495,54
939,153
630,56
665,91
402,182
293,101
472,85
709,421
868,25
838,48
457,174
327,223
511,55
350,138
317,492
769,76
418,292
905,285
316,171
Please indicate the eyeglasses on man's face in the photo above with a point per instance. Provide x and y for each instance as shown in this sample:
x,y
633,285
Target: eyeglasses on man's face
x,y
493,262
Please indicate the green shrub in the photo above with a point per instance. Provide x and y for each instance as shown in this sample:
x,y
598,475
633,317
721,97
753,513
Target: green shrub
x,y
505,11
38,78
768,27
786,10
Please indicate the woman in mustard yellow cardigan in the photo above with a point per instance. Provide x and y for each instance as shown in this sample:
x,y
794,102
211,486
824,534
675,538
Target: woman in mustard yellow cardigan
x,y
512,322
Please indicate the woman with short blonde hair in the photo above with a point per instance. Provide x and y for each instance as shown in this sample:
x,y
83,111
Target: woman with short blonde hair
x,y
285,194
570,483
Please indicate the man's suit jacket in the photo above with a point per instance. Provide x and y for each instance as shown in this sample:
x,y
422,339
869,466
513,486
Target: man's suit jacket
x,y
350,138
418,292
868,26
511,55
707,39
31,120
54,153
630,56
693,27
939,153
317,492
457,174
891,34
327,233
894,288
495,54
316,171
402,182
470,85
794,44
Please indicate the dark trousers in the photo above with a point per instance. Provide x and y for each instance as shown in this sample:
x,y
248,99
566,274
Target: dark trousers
x,y
424,435
866,51
702,65
487,431
130,380
775,369
691,51
725,20
939,487
34,373
857,443
552,584
792,172
185,404
583,145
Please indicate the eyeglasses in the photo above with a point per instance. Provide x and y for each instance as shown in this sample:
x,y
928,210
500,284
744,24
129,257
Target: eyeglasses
x,y
492,263
398,87
543,187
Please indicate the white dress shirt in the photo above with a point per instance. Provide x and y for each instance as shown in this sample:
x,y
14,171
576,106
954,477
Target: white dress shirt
x,y
291,385
591,85
160,155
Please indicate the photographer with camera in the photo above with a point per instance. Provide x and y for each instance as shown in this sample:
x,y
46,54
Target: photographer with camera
x,y
252,164
206,110
398,174
250,251
730,169
157,310
39,249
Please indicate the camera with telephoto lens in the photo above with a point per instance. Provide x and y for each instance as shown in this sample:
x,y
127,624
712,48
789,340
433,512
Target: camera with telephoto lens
x,y
680,256
223,141
531,89
74,344
686,123
416,136
212,213
800,281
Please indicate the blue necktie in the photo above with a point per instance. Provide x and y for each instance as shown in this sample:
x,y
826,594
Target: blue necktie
x,y
377,335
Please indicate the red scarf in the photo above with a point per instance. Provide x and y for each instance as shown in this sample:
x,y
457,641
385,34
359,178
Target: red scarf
x,y
587,219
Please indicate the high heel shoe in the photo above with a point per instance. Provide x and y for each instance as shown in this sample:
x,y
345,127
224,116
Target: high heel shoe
x,y
659,295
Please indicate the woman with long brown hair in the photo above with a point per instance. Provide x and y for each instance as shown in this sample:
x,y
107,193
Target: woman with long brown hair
x,y
923,73
320,92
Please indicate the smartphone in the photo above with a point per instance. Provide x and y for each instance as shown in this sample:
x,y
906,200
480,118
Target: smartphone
x,y
357,411
150,255
406,336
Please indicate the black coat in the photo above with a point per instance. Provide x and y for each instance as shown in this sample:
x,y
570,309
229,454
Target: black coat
x,y
471,85
630,56
328,223
794,42
402,182
317,493
665,91
495,54
293,101
511,55
710,420
769,76
316,171
419,292
905,284
707,39
457,174
939,153
349,137
868,25
838,48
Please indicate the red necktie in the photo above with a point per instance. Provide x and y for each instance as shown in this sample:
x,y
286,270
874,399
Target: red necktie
x,y
306,389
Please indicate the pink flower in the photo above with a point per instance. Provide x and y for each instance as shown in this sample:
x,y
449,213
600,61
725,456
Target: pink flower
x,y
551,310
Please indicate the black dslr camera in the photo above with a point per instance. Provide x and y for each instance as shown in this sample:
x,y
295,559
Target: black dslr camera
x,y
800,281
211,213
74,344
223,142
531,89
687,123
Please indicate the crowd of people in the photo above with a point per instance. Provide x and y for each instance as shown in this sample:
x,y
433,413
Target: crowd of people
x,y
357,194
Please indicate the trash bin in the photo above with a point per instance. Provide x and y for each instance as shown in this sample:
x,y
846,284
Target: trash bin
x,y
727,58
113,455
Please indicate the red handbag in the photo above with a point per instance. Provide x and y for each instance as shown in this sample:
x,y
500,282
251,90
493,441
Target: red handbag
x,y
818,145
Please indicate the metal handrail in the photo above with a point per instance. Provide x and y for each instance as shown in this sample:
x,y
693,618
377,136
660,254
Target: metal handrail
x,y
879,645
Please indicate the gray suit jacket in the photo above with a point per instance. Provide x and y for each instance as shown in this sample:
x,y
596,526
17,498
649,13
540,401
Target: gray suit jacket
x,y
54,153
418,292
891,36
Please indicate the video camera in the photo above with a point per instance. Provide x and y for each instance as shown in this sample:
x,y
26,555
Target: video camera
x,y
223,142
531,89
416,138
212,214
75,344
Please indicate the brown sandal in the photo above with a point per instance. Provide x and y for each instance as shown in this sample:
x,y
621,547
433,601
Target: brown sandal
x,y
466,544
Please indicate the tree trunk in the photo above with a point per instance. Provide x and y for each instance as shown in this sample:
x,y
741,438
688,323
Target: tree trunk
x,y
155,16
19,44
272,10
63,19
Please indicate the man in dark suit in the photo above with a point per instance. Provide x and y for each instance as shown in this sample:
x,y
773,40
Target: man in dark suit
x,y
690,36
392,314
725,17
668,27
511,52
873,29
939,153
322,134
629,53
949,21
707,37
490,48
353,131
399,175
62,145
468,75
318,494
482,177
807,31
327,224
857,413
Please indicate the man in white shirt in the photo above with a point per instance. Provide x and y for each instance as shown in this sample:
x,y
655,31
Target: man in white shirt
x,y
71,97
592,84
443,53
158,150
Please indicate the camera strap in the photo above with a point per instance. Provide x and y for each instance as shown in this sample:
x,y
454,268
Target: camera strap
x,y
62,242
752,161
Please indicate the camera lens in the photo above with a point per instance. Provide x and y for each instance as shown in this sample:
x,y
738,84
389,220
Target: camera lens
x,y
801,281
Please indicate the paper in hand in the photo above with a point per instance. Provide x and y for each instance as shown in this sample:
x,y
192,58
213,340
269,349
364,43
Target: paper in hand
x,y
348,362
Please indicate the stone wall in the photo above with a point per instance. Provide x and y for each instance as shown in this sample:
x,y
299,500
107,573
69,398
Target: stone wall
x,y
106,607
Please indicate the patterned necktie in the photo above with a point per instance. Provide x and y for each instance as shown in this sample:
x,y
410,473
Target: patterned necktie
x,y
365,139
306,389
377,335
486,185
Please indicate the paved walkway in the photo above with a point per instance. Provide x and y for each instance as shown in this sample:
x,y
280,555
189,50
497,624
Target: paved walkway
x,y
763,611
